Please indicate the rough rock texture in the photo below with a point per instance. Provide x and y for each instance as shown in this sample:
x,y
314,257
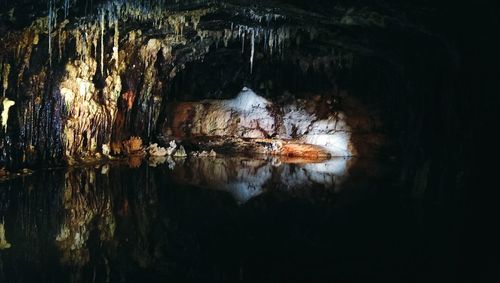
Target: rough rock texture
x,y
410,59
134,57
245,116
7,104
287,129
87,76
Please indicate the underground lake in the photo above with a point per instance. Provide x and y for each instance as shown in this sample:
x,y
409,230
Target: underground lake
x,y
247,140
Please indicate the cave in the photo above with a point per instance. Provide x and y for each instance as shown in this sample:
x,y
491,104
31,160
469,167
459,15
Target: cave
x,y
238,140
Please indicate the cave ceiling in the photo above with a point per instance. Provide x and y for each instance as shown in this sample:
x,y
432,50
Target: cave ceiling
x,y
79,76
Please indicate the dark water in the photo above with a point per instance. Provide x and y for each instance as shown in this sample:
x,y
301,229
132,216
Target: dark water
x,y
216,219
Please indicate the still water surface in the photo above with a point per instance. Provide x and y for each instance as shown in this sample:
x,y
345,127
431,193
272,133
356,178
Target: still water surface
x,y
224,218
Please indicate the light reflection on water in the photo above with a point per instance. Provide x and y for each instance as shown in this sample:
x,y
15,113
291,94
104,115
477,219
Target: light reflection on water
x,y
115,215
245,178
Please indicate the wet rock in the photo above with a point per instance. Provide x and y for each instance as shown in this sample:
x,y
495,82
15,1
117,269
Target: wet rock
x,y
4,244
157,151
133,146
181,152
7,104
98,78
249,116
172,147
106,150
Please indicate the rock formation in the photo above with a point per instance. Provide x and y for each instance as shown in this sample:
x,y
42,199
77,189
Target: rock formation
x,y
84,80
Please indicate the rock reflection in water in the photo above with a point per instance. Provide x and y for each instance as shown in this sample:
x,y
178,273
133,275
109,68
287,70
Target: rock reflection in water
x,y
77,210
86,205
245,178
117,219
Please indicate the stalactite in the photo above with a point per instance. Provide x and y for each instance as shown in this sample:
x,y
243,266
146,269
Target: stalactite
x,y
102,41
66,8
196,21
85,45
50,20
252,51
227,36
62,38
5,77
88,109
243,42
116,41
271,42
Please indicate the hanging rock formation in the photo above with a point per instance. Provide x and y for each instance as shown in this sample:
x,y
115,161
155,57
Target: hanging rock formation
x,y
86,78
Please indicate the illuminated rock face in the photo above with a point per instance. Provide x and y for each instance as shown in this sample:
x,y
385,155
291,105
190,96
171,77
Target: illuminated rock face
x,y
245,116
7,104
249,115
4,244
85,83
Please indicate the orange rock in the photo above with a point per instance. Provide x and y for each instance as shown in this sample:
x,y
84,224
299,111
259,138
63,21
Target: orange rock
x,y
129,98
305,151
116,148
133,145
181,118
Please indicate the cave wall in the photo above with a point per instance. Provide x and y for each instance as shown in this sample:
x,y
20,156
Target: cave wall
x,y
403,64
66,80
429,67
82,82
